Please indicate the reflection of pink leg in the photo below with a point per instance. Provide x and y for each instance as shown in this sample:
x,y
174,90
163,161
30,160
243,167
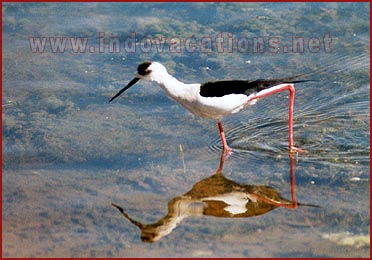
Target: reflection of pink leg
x,y
222,161
274,90
227,151
283,203
294,204
293,183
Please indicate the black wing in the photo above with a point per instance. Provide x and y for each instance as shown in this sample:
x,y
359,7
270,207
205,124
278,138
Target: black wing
x,y
247,87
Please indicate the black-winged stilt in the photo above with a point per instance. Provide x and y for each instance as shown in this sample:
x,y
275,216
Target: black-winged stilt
x,y
217,99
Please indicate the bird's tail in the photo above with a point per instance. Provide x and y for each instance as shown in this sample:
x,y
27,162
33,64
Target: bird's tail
x,y
308,205
268,83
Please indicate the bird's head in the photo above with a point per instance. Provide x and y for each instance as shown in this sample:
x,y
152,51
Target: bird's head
x,y
152,71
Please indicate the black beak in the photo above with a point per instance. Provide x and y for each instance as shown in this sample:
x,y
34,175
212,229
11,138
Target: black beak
x,y
138,224
134,81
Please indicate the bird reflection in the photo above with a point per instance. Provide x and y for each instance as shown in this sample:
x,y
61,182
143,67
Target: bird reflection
x,y
217,196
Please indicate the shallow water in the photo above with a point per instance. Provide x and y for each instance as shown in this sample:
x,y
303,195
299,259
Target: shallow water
x,y
68,155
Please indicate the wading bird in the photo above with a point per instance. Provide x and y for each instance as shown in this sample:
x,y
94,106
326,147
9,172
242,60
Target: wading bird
x,y
215,100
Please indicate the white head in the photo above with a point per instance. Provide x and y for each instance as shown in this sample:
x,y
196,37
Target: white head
x,y
153,71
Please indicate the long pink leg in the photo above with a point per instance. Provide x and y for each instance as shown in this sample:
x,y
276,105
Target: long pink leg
x,y
226,148
274,90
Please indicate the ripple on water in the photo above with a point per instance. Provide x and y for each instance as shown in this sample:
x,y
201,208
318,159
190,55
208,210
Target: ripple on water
x,y
331,119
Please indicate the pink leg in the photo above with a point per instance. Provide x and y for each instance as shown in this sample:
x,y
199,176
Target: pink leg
x,y
226,148
274,90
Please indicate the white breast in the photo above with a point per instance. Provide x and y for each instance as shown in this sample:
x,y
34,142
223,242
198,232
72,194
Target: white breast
x,y
218,107
235,201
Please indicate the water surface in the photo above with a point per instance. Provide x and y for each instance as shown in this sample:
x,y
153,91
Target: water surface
x,y
68,154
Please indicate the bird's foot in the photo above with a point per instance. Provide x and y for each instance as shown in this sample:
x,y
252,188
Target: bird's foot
x,y
227,151
295,150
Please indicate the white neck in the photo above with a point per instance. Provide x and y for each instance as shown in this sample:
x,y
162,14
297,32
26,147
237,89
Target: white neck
x,y
175,88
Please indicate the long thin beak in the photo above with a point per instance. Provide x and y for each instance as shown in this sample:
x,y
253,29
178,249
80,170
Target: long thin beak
x,y
125,88
138,224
